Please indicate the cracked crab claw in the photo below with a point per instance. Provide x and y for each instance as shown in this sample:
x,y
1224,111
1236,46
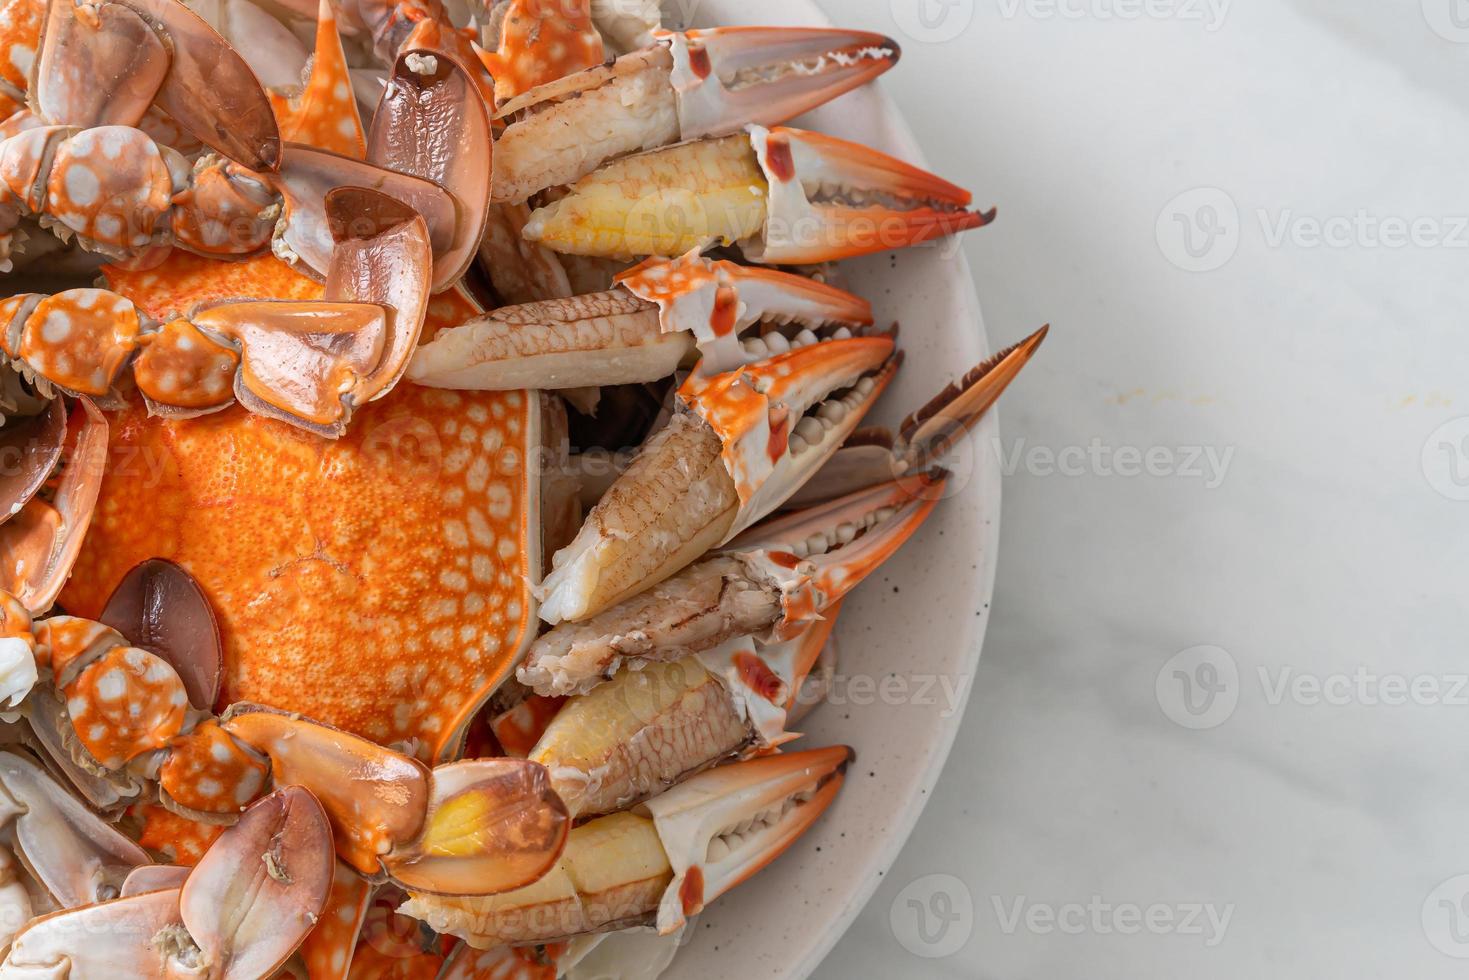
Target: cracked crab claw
x,y
771,583
685,86
641,331
785,195
741,444
660,863
647,729
926,436
474,827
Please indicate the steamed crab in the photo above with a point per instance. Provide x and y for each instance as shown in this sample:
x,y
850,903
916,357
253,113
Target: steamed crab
x,y
320,631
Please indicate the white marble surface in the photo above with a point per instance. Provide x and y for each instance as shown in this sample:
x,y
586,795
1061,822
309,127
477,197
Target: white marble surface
x,y
1326,552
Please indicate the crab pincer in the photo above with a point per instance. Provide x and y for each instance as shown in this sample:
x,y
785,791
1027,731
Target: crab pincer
x,y
687,85
660,863
740,444
786,196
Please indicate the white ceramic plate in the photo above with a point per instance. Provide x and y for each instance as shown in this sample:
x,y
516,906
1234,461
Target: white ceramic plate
x,y
921,619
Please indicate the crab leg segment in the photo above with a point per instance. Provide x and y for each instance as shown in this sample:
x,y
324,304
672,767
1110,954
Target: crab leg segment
x,y
787,196
744,444
660,863
770,584
639,332
685,86
240,913
76,856
308,364
39,545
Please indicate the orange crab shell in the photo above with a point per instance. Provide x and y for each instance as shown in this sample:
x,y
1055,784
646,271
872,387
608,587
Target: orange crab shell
x,y
379,583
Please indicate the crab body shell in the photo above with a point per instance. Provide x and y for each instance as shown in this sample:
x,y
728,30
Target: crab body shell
x,y
378,583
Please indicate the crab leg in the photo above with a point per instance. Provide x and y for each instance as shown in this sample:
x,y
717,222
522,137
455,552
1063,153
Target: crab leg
x,y
743,442
241,912
324,112
309,364
686,86
541,41
659,864
641,331
785,195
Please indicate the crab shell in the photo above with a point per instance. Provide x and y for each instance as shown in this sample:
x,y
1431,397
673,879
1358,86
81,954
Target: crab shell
x,y
378,583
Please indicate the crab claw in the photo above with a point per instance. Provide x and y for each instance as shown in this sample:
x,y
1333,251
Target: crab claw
x,y
31,448
820,555
771,583
722,827
685,86
730,77
639,332
159,607
925,437
785,195
746,440
62,945
834,199
474,827
658,864
39,545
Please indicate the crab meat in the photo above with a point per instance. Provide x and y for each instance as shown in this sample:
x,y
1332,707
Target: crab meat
x,y
660,863
785,195
744,441
647,729
772,584
684,86
639,332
